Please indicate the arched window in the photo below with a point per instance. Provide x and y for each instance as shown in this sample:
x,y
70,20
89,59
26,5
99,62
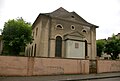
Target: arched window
x,y
59,26
58,47
35,50
84,31
86,51
32,51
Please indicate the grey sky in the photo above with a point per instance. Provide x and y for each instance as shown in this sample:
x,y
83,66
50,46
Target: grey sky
x,y
104,13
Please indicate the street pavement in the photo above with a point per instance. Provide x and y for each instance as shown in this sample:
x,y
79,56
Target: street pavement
x,y
105,79
80,77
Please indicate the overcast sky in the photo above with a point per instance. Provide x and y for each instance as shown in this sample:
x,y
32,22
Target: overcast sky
x,y
103,13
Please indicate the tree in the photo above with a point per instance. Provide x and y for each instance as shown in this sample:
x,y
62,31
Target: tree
x,y
100,47
112,47
16,34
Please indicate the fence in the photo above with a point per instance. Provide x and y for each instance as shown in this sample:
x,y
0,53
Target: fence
x,y
106,66
28,66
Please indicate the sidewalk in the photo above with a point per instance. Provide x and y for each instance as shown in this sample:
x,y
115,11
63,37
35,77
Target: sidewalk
x,y
62,77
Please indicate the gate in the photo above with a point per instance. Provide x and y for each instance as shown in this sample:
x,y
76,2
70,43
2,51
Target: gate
x,y
93,66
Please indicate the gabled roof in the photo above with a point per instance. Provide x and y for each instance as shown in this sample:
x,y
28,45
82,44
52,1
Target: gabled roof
x,y
73,16
60,12
66,15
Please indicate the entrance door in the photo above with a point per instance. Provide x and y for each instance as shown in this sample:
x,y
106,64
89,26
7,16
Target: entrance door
x,y
58,47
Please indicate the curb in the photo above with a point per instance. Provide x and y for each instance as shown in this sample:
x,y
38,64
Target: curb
x,y
90,78
62,77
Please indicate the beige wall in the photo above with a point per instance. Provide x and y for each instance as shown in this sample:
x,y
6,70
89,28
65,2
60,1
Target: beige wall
x,y
10,65
28,66
108,66
41,38
48,66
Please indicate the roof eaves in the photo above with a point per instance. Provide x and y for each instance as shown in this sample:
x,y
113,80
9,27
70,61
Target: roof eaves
x,y
84,20
41,14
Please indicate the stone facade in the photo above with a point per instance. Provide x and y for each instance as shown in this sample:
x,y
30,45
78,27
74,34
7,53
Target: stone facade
x,y
62,34
1,44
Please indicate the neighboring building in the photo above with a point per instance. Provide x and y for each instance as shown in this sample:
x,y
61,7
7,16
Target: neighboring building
x,y
105,56
62,34
118,35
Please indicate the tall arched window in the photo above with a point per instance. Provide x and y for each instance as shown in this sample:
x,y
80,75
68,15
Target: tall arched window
x,y
35,50
86,48
32,51
58,47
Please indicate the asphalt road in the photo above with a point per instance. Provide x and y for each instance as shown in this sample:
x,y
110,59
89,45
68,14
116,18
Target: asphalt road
x,y
32,79
91,77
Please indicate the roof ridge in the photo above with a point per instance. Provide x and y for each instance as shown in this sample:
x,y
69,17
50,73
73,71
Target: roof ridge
x,y
60,9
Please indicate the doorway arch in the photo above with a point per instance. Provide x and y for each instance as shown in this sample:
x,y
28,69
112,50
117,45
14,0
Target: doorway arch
x,y
58,47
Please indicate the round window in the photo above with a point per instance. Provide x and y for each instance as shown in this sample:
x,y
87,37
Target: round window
x,y
73,27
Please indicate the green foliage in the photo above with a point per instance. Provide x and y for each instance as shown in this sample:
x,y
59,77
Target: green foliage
x,y
16,34
100,47
112,47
